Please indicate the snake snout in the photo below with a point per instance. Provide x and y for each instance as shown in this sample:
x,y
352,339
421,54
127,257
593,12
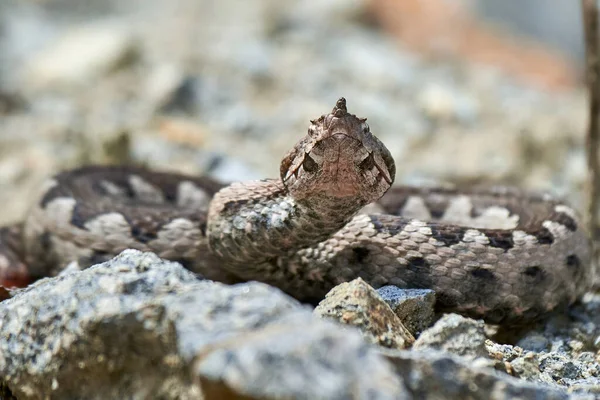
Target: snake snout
x,y
339,136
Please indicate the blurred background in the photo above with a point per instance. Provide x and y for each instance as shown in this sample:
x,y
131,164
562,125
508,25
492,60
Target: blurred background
x,y
463,91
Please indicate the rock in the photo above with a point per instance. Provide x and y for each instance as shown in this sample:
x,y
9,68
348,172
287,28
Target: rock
x,y
183,98
334,12
81,54
559,367
441,103
527,367
590,387
140,327
516,362
432,374
534,342
455,334
358,304
414,307
297,358
551,368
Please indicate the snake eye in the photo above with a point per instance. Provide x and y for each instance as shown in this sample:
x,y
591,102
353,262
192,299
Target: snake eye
x,y
309,164
367,163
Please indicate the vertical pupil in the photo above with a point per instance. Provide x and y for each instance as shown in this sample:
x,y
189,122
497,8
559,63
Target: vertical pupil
x,y
368,162
309,164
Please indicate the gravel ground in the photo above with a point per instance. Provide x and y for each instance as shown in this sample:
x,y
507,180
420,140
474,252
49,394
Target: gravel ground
x,y
194,87
225,88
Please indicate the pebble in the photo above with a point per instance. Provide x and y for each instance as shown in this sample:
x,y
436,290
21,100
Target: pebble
x,y
357,304
455,334
414,307
81,54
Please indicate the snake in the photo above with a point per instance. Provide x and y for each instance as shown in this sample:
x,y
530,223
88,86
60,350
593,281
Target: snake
x,y
497,253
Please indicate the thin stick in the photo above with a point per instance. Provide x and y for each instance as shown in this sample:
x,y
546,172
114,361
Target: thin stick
x,y
592,52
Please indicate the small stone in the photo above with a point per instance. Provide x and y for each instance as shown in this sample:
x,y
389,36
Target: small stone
x,y
83,53
300,357
559,367
414,307
432,374
455,334
576,345
586,387
162,84
534,342
358,304
150,329
527,368
597,343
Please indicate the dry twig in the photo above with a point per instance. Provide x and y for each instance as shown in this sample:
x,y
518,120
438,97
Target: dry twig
x,y
592,51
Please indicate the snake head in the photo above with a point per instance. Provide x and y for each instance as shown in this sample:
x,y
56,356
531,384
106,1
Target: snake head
x,y
339,158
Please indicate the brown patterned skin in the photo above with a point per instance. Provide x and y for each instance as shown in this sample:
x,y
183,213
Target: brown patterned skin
x,y
497,253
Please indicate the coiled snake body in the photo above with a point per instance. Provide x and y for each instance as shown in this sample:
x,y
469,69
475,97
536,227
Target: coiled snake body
x,y
494,253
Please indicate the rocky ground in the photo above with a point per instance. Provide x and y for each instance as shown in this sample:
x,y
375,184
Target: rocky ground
x,y
224,88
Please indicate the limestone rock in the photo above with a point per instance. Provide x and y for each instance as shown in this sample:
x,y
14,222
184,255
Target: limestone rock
x,y
358,304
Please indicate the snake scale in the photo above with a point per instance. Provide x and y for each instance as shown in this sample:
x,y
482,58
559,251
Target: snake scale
x,y
496,253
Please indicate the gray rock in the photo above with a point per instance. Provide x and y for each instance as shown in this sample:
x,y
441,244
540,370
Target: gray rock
x,y
516,362
141,327
534,342
358,304
300,359
559,366
81,54
551,368
589,386
455,334
414,307
435,375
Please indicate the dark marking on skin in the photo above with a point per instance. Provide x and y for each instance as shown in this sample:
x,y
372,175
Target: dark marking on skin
x,y
564,219
129,191
445,300
475,212
388,223
142,235
502,240
483,273
573,261
447,234
534,274
360,254
417,264
436,205
99,188
533,313
170,194
75,183
497,314
436,213
44,241
78,217
393,202
544,236
98,257
52,194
